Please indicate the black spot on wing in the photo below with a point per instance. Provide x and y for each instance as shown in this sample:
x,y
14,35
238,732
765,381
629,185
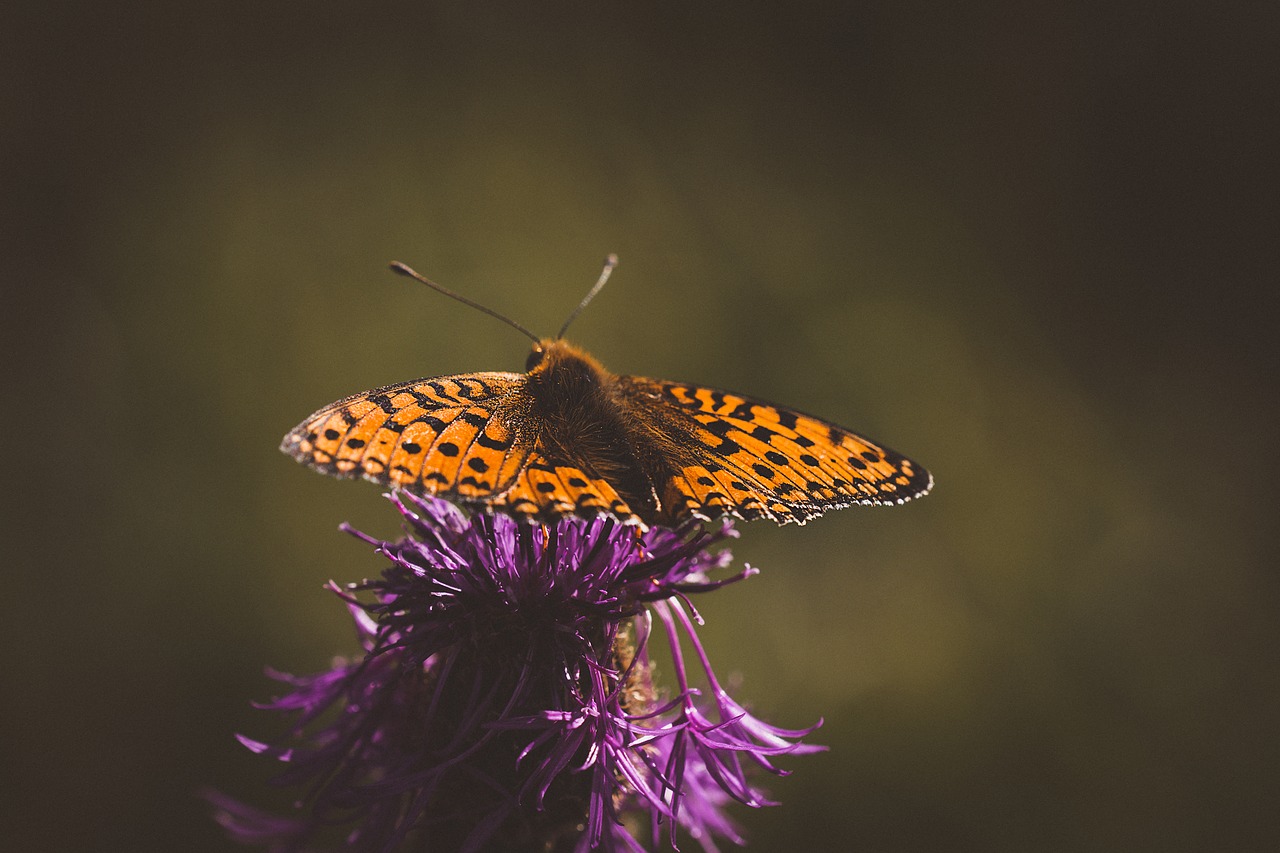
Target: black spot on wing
x,y
494,444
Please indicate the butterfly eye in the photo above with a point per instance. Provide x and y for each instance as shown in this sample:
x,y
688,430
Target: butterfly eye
x,y
535,357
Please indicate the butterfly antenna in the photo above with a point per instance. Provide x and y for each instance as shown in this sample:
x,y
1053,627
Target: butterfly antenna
x,y
609,263
405,270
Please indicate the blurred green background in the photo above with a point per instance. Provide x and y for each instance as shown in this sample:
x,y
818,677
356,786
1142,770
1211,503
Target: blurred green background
x,y
1032,245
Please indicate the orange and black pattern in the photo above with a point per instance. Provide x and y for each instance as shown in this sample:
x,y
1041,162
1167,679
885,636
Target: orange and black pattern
x,y
570,438
435,435
756,460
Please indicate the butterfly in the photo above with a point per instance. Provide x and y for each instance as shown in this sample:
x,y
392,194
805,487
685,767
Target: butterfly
x,y
568,437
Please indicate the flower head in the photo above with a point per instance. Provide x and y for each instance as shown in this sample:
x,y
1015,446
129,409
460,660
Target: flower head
x,y
505,699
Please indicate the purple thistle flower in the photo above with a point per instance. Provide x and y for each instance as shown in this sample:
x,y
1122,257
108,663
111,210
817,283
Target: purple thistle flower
x,y
505,699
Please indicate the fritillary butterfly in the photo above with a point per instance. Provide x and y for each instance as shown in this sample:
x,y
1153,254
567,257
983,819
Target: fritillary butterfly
x,y
568,437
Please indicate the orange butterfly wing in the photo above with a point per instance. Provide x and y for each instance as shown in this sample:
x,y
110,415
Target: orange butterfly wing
x,y
750,459
445,435
454,436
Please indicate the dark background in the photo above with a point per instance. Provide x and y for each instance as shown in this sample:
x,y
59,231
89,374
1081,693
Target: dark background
x,y
1032,245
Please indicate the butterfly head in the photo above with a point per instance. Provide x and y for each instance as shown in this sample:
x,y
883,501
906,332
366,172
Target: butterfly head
x,y
558,362
538,354
551,353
